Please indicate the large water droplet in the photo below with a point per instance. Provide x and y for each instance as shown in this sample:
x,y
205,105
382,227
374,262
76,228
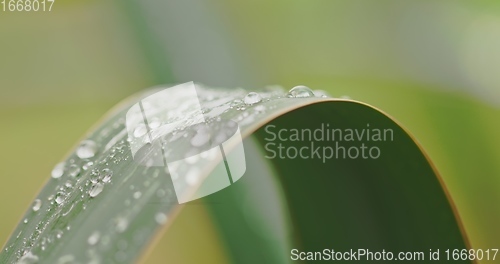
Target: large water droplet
x,y
106,175
96,190
161,218
300,91
58,170
36,205
73,170
87,149
252,98
94,238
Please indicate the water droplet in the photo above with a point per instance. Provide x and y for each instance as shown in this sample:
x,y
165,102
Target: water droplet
x,y
73,170
36,205
154,122
59,233
300,91
94,238
60,197
96,190
95,176
321,93
121,224
161,218
58,170
107,174
260,109
137,195
140,131
87,165
87,149
25,220
28,258
235,103
66,259
252,98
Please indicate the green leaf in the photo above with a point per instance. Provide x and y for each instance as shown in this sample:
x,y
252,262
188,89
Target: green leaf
x,y
395,202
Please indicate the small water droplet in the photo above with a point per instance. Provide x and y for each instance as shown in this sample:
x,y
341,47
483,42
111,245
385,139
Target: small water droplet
x,y
321,93
87,165
94,238
96,190
25,220
252,98
73,170
161,218
60,197
260,109
36,205
235,103
300,91
121,224
87,149
107,174
58,170
59,233
28,258
137,195
140,131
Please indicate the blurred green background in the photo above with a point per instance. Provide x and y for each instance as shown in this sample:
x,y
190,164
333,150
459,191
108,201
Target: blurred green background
x,y
432,65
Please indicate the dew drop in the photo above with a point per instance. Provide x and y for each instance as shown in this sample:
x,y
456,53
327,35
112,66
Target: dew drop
x,y
25,220
252,98
36,205
107,174
73,170
87,149
121,224
300,91
58,170
59,198
161,218
28,258
137,195
321,93
140,131
95,176
260,109
87,165
96,190
235,103
155,122
94,238
66,259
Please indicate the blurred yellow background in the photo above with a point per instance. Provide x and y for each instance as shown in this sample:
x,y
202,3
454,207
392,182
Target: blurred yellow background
x,y
433,65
